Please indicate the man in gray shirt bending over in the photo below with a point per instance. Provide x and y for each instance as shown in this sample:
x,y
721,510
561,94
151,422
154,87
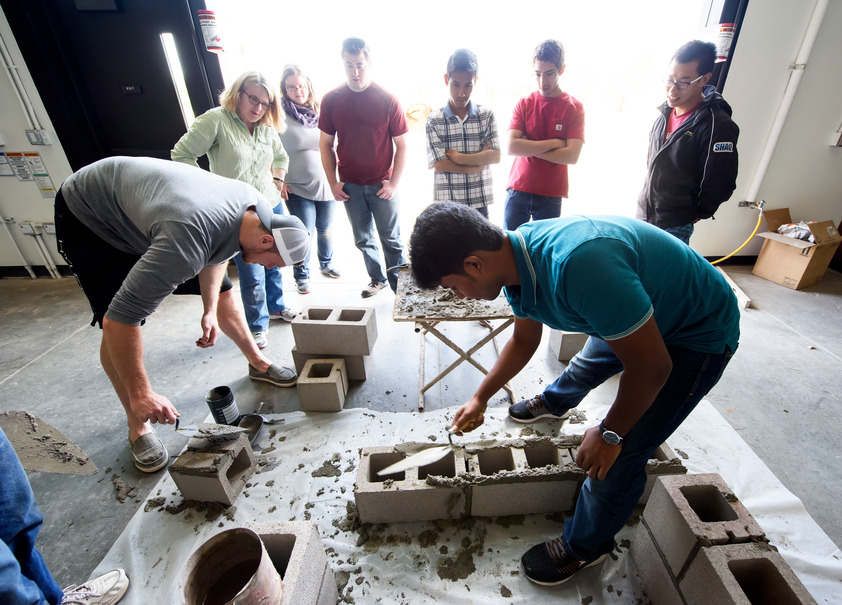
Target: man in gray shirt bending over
x,y
135,230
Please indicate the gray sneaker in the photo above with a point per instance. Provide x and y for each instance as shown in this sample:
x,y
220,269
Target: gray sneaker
x,y
276,375
372,289
149,453
530,410
106,589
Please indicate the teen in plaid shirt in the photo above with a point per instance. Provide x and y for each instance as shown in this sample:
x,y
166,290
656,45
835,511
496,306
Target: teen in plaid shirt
x,y
462,140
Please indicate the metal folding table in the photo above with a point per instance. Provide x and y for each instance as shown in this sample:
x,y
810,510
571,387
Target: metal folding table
x,y
428,308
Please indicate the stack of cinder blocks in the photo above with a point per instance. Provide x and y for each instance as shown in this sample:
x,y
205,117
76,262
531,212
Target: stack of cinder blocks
x,y
565,345
296,551
214,470
697,544
332,345
500,480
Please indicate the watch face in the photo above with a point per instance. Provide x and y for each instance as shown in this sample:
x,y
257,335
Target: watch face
x,y
611,438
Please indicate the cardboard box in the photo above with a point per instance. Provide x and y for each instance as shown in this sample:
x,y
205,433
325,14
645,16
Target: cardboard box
x,y
792,262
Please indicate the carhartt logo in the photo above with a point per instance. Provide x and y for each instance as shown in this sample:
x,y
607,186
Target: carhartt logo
x,y
723,146
558,126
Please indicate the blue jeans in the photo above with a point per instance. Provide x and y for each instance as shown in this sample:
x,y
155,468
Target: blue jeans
x,y
316,216
365,212
261,290
682,232
604,506
24,577
521,207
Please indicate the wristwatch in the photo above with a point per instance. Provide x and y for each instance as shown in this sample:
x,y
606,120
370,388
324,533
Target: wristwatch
x,y
611,438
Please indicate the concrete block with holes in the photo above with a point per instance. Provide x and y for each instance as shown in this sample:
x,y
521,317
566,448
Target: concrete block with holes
x,y
565,345
687,512
742,574
540,478
323,385
214,470
339,330
407,496
660,585
662,462
297,552
357,366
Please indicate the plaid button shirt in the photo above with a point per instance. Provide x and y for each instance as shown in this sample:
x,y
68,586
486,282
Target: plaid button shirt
x,y
446,131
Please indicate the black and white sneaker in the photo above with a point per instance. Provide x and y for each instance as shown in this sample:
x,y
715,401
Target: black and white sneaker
x,y
549,564
530,410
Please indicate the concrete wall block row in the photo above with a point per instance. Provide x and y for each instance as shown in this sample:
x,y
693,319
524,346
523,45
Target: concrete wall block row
x,y
686,512
565,345
521,481
406,496
342,330
742,574
662,462
323,385
356,365
660,585
214,470
298,554
329,592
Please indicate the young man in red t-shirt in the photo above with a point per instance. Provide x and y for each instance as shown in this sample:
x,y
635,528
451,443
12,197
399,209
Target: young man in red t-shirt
x,y
370,129
546,134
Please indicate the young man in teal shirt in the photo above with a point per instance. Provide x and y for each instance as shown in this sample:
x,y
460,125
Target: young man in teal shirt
x,y
655,310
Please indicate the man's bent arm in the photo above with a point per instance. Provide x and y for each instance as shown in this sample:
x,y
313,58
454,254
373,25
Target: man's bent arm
x,y
447,165
569,154
329,165
482,158
514,356
521,146
125,350
646,367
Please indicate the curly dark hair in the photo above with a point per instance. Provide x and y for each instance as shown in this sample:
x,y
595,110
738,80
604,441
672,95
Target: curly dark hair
x,y
444,235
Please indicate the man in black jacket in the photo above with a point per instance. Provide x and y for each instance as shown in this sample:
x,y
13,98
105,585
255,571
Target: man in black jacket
x,y
692,147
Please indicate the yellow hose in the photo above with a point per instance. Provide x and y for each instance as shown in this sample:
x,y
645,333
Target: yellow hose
x,y
756,227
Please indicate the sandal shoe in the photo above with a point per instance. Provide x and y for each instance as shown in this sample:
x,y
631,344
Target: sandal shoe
x,y
149,453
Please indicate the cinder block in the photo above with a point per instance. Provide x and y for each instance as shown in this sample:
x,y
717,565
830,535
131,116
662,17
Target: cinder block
x,y
356,365
521,481
662,462
407,496
299,556
214,470
742,574
342,330
565,345
322,385
660,585
329,592
686,512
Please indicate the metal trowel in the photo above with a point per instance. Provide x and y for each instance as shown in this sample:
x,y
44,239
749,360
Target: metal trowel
x,y
42,447
422,458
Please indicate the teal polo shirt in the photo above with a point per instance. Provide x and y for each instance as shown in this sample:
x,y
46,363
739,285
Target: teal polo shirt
x,y
607,275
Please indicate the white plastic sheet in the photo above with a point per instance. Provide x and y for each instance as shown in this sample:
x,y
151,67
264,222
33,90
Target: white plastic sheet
x,y
309,470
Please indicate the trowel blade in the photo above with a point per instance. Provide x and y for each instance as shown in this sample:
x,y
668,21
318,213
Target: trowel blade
x,y
41,447
422,458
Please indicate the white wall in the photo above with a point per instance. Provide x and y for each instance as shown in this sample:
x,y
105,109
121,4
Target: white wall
x,y
805,173
21,200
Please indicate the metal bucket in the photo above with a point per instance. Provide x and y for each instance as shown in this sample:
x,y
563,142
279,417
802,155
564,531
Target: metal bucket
x,y
231,568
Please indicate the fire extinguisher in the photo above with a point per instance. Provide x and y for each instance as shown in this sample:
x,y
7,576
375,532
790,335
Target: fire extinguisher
x,y
210,32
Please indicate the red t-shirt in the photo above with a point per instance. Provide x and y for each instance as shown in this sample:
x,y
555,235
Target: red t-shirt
x,y
674,121
541,118
364,124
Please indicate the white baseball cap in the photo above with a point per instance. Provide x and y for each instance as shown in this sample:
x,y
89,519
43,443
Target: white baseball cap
x,y
291,237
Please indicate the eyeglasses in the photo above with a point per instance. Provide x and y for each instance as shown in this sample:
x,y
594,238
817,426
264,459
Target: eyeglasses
x,y
257,102
681,86
292,88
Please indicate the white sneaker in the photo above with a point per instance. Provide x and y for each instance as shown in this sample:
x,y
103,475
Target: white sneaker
x,y
107,589
260,339
286,315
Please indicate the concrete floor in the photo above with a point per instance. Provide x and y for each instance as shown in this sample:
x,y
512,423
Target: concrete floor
x,y
781,392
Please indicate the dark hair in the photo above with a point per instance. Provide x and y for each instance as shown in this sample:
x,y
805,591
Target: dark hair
x,y
444,235
697,50
293,70
462,60
355,46
550,51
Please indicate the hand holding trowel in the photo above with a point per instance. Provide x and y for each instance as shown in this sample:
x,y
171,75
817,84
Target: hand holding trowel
x,y
422,458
